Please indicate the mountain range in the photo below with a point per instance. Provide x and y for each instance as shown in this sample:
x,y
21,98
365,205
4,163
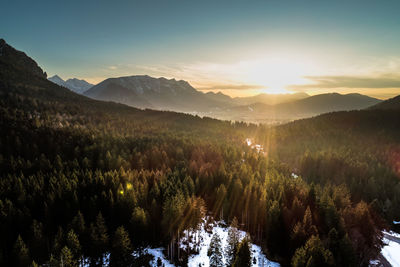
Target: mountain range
x,y
177,95
74,84
155,93
170,94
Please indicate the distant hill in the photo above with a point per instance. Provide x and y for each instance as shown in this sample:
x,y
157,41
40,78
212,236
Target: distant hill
x,y
270,99
308,107
74,84
392,103
324,103
158,93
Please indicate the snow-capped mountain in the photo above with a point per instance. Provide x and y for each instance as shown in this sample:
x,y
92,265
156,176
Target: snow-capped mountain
x,y
76,85
158,93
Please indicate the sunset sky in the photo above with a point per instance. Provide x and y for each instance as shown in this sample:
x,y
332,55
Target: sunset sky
x,y
237,47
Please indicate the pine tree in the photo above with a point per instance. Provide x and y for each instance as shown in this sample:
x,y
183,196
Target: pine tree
x,y
21,253
243,255
74,245
214,252
313,253
78,223
99,238
121,249
232,242
66,258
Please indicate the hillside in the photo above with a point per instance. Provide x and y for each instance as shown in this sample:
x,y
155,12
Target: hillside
x,y
269,99
325,103
390,104
18,60
298,109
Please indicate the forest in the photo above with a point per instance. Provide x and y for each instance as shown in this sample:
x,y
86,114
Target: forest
x,y
81,178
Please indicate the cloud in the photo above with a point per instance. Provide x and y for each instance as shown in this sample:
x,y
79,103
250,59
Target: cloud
x,y
232,87
328,82
112,67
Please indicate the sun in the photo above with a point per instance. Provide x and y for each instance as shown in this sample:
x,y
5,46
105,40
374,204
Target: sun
x,y
276,91
276,74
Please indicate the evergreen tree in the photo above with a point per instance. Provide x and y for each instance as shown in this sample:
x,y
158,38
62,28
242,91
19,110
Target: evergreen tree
x,y
232,242
66,258
21,253
121,249
243,255
312,254
99,239
74,245
78,223
214,251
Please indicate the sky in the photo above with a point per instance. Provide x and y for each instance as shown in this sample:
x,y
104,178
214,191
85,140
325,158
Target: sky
x,y
237,47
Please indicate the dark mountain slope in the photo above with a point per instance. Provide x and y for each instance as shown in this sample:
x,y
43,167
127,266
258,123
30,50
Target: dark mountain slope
x,y
18,60
392,103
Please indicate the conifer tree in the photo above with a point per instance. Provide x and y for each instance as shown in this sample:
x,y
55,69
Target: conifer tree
x,y
99,238
74,245
21,253
313,253
66,258
78,223
243,255
215,252
121,249
232,242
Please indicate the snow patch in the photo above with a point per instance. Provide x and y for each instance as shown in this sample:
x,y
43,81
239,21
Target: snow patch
x,y
391,252
158,254
199,240
259,148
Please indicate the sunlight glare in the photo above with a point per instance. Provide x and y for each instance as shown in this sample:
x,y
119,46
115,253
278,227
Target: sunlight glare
x,y
276,73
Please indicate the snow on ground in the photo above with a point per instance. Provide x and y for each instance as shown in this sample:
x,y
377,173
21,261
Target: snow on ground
x,y
248,141
199,241
391,252
257,147
204,236
158,253
391,233
86,261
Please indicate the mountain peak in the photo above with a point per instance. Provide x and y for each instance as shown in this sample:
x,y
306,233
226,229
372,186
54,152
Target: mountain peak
x,y
19,60
56,79
74,84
